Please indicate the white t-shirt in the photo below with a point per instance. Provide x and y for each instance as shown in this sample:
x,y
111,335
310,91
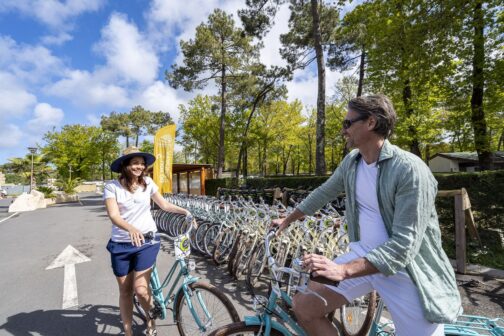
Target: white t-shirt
x,y
133,207
372,229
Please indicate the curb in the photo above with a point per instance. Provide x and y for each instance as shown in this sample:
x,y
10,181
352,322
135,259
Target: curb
x,y
474,269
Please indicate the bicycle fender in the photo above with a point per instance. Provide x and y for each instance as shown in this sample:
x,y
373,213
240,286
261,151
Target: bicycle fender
x,y
180,291
254,320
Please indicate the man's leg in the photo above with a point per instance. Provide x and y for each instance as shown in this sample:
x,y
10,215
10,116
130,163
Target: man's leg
x,y
311,311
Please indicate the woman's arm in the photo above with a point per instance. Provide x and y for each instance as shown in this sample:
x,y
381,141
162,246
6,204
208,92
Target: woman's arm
x,y
136,236
167,206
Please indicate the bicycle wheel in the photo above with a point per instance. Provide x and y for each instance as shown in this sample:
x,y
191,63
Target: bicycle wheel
x,y
209,239
357,316
211,306
256,266
199,235
139,308
241,328
223,244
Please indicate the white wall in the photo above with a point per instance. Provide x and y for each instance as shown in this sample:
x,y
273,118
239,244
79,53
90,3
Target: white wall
x,y
443,165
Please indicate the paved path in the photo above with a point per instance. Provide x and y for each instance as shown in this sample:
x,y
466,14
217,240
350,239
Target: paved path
x,y
32,296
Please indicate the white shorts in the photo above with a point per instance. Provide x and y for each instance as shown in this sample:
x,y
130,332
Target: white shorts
x,y
398,293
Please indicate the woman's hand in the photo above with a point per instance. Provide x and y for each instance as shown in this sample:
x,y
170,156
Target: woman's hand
x,y
322,266
137,238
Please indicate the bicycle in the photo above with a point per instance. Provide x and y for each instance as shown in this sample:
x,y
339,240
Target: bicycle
x,y
198,307
263,323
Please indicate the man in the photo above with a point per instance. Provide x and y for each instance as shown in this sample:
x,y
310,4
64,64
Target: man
x,y
393,227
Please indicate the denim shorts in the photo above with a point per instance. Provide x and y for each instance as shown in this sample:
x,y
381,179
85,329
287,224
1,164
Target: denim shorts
x,y
125,257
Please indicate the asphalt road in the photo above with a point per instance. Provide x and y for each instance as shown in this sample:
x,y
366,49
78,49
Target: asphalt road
x,y
32,296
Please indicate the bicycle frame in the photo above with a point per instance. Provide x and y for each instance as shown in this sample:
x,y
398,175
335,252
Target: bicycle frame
x,y
264,319
178,270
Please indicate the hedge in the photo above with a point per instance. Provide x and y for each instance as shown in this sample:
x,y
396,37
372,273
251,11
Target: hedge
x,y
486,193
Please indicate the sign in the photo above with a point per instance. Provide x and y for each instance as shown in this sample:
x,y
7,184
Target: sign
x,y
164,143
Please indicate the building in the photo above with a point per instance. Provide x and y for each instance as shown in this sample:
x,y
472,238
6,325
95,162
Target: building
x,y
461,162
2,179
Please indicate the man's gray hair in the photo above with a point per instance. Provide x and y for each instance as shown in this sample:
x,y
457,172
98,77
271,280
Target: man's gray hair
x,y
378,106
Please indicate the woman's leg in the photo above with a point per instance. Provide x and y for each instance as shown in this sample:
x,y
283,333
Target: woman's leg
x,y
126,301
143,292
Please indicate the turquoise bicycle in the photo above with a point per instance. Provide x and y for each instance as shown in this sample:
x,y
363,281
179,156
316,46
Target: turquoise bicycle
x,y
264,324
198,307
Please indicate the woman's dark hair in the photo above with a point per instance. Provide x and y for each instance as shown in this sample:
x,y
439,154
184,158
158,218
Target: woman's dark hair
x,y
378,106
127,179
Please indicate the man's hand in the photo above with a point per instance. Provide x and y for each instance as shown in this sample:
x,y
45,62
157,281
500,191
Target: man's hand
x,y
280,223
322,266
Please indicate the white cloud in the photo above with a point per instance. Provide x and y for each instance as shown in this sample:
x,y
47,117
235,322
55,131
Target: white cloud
x,y
57,39
45,117
12,136
161,97
54,13
16,100
127,51
29,63
85,88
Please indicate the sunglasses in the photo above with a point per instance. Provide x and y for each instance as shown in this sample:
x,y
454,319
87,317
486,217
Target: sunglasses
x,y
347,123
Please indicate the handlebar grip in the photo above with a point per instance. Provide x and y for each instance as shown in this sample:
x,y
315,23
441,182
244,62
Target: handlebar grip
x,y
323,280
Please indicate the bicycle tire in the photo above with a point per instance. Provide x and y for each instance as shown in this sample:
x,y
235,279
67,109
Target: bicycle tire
x,y
199,236
240,254
139,308
234,250
209,239
223,245
185,320
240,328
256,266
352,323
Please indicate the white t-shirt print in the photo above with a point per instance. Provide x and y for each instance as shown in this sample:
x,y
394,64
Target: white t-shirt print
x,y
133,207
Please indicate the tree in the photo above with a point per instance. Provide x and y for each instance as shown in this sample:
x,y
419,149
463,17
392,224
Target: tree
x,y
200,124
78,147
18,170
117,124
311,26
219,52
136,123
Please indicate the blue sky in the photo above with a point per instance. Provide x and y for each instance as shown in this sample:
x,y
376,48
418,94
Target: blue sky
x,y
72,61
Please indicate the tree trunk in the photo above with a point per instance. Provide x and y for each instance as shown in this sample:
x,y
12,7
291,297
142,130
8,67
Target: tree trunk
x,y
320,165
412,131
245,162
501,141
481,139
361,72
220,156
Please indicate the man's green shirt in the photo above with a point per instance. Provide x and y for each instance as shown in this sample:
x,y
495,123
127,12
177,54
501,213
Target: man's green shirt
x,y
406,192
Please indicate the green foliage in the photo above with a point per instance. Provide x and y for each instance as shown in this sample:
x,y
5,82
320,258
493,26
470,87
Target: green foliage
x,y
86,150
47,191
68,185
211,186
15,179
147,147
136,123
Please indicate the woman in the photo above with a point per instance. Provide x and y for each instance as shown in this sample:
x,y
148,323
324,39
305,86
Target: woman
x,y
127,200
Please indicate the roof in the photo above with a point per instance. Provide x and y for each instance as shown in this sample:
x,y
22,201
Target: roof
x,y
185,167
469,156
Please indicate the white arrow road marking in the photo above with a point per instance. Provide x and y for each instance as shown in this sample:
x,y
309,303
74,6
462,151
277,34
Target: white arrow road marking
x,y
67,259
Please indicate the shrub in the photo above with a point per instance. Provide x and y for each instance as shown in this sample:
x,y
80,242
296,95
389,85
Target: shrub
x,y
47,191
68,186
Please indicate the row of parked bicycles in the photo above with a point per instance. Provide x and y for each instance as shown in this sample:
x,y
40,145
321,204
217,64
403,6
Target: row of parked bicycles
x,y
234,234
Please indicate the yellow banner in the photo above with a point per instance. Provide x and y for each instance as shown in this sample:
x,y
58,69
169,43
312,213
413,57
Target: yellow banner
x,y
164,143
